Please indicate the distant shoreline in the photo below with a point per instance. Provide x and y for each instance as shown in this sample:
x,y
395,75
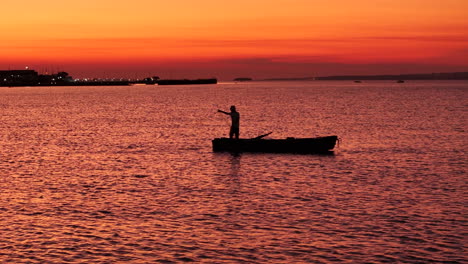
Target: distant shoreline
x,y
423,76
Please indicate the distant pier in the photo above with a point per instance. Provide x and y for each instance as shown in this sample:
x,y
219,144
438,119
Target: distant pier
x,y
19,78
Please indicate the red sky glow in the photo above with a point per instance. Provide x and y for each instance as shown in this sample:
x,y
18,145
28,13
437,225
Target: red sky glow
x,y
228,39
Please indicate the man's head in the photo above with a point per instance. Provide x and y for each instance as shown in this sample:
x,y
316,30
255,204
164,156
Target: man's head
x,y
233,108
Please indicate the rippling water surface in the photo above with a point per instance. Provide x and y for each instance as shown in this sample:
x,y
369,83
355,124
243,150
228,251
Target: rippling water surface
x,y
127,175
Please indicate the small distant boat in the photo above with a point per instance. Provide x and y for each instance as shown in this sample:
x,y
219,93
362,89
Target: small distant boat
x,y
357,81
323,145
400,81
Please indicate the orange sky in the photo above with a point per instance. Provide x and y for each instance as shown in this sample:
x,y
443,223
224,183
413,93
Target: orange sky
x,y
225,39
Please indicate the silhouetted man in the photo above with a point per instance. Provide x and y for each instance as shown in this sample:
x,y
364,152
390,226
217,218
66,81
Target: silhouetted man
x,y
235,122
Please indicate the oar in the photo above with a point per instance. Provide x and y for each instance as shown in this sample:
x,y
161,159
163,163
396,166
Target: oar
x,y
262,136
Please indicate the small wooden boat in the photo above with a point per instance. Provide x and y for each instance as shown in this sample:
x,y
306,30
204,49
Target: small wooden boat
x,y
288,145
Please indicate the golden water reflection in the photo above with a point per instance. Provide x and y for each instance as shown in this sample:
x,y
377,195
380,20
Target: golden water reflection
x,y
127,175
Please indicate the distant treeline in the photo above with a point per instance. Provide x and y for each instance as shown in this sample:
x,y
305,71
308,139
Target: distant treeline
x,y
430,76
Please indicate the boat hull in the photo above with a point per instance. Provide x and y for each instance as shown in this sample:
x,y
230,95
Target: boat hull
x,y
288,145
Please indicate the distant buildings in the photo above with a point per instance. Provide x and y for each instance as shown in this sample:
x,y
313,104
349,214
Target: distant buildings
x,y
32,78
18,77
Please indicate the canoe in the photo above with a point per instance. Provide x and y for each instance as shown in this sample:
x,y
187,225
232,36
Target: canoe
x,y
288,145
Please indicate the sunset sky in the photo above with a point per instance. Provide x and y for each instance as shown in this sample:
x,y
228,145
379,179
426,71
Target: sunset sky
x,y
227,39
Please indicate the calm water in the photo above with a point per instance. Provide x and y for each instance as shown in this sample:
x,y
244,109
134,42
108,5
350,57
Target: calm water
x,y
126,174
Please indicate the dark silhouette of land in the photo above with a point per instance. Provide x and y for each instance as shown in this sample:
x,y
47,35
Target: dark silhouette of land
x,y
12,78
430,76
15,78
187,81
415,76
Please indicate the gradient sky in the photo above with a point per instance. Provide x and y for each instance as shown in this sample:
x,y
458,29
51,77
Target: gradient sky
x,y
227,39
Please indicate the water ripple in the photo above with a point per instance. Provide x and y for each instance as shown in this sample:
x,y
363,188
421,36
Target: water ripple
x,y
126,175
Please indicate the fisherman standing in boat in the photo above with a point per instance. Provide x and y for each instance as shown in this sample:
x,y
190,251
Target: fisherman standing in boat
x,y
235,122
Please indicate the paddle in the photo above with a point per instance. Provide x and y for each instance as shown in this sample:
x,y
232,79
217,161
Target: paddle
x,y
262,136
